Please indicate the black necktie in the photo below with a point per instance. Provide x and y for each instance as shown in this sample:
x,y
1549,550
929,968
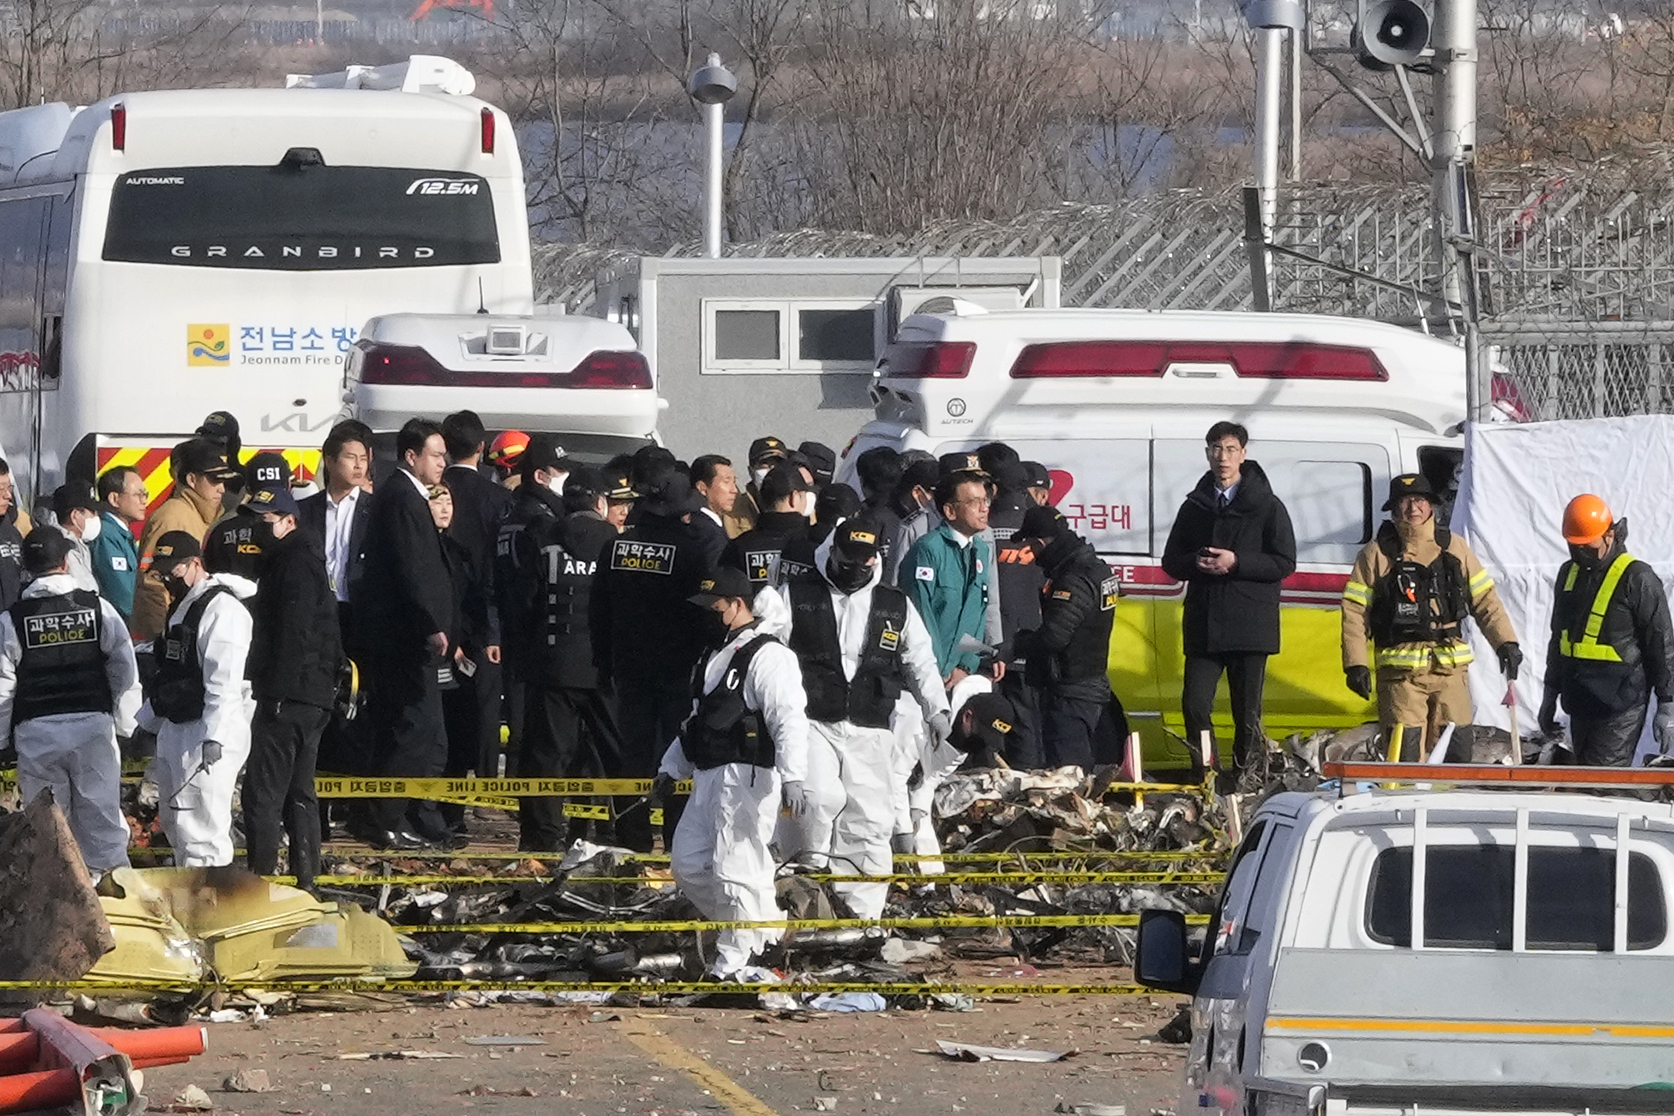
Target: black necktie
x,y
1224,501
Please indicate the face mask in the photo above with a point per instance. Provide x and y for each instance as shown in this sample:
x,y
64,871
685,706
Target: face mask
x,y
847,576
175,586
805,504
555,483
1585,557
261,533
715,629
758,475
90,530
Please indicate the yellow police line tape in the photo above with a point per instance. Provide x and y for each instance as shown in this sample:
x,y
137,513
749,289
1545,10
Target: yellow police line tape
x,y
339,851
942,922
642,987
1180,878
333,786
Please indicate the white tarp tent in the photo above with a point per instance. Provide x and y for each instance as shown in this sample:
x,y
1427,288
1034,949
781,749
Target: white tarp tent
x,y
1516,482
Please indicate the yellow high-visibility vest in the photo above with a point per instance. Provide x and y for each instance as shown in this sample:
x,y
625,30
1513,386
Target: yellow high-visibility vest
x,y
1588,646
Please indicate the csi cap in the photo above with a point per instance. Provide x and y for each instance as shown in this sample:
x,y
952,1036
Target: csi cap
x,y
279,501
268,470
172,549
1409,484
46,549
992,719
857,538
204,459
219,424
766,449
723,584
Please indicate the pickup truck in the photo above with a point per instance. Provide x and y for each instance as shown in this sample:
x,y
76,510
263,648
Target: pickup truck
x,y
1385,949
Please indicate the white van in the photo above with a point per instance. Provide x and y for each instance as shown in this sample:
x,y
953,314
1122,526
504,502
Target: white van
x,y
581,377
1116,404
1444,952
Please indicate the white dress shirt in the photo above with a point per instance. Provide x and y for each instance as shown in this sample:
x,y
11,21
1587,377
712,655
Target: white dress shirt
x,y
339,523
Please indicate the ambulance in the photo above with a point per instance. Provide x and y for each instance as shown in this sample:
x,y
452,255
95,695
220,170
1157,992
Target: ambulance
x,y
1116,403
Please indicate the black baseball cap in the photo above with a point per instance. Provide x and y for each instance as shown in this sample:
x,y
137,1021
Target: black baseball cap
x,y
765,449
71,495
993,718
172,549
858,538
268,470
45,550
543,452
835,502
723,584
1409,484
218,424
1043,522
822,460
1036,475
274,498
203,458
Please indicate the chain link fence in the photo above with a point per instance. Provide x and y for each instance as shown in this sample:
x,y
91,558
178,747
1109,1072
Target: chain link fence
x,y
1547,370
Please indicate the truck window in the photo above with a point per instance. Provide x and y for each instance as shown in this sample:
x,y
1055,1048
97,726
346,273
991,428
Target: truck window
x,y
1469,892
1234,908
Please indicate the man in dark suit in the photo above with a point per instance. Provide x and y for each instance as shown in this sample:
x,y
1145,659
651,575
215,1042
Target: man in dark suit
x,y
472,709
338,515
403,612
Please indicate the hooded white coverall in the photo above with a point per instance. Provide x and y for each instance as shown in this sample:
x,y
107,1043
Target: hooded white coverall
x,y
196,806
74,755
938,761
721,857
854,783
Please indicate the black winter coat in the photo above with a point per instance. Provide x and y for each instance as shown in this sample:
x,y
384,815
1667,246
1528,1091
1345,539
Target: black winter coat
x,y
569,549
1235,613
643,623
234,545
1020,578
406,592
1636,623
1069,653
757,550
296,649
517,573
11,559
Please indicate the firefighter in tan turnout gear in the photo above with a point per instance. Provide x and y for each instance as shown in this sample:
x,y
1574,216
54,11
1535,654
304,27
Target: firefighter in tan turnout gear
x,y
1408,595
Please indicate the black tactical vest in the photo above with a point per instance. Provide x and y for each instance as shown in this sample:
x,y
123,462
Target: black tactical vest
x,y
868,699
63,668
723,729
1415,603
178,694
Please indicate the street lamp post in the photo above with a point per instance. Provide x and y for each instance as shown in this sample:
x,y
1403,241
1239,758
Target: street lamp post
x,y
712,87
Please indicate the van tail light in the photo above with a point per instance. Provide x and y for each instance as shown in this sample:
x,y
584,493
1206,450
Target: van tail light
x,y
928,360
1251,360
119,127
411,366
488,131
1091,358
1508,399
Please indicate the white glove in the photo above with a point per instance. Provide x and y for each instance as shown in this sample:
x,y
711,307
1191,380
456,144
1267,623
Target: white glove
x,y
941,727
211,752
918,817
791,795
1662,727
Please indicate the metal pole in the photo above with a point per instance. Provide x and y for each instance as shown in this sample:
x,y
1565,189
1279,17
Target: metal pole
x,y
712,123
1270,75
1296,106
1453,136
319,22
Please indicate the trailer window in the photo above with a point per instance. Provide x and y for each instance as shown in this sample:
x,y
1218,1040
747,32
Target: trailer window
x,y
1468,898
313,218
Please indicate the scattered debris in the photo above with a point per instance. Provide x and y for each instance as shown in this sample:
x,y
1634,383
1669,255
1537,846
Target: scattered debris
x,y
248,1081
966,1053
49,916
848,1002
491,1091
1092,1109
192,1099
503,1040
825,1104
395,1056
1179,1029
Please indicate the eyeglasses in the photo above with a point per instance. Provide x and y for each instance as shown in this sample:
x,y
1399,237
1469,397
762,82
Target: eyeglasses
x,y
976,501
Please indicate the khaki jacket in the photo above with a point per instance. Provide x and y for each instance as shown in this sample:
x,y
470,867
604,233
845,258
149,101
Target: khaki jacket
x,y
184,510
1418,545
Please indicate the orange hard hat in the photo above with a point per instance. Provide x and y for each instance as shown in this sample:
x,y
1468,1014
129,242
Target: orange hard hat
x,y
1587,519
507,448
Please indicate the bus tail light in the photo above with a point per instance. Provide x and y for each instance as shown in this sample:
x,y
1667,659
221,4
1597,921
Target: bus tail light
x,y
928,360
488,131
118,127
412,366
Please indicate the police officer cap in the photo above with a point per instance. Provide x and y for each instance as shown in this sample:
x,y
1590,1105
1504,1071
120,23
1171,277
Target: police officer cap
x,y
172,549
723,584
950,463
1043,522
278,500
45,550
203,458
1409,484
267,470
858,538
992,719
767,449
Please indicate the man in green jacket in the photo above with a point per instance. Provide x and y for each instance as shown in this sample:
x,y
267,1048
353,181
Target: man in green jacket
x,y
947,573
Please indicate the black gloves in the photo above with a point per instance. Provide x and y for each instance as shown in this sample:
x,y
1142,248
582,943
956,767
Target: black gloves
x,y
1511,658
1359,680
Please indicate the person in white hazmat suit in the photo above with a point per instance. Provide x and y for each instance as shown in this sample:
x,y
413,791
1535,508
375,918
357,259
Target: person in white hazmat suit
x,y
68,686
861,645
744,742
983,722
200,705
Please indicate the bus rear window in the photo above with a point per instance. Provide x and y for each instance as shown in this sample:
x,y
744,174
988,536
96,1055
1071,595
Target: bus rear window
x,y
311,218
1469,889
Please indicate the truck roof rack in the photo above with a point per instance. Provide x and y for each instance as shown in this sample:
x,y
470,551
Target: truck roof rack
x,y
421,73
1425,775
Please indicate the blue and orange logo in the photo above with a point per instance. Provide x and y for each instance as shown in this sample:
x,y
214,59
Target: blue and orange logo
x,y
208,346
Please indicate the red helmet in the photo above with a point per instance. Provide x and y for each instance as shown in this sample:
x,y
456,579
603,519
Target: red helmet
x,y
507,449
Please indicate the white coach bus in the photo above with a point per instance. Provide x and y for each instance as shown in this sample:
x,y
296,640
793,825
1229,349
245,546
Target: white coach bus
x,y
168,254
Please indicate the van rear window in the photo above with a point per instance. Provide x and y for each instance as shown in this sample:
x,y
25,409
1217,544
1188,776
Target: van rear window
x,y
1469,890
